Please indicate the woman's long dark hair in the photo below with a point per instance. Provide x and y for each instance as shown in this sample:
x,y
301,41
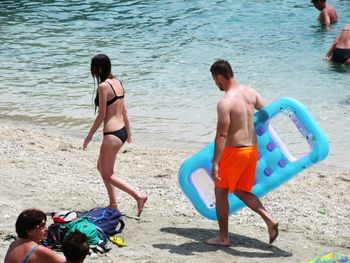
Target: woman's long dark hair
x,y
101,69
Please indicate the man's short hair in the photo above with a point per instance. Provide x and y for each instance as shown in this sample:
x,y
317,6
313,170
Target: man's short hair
x,y
318,1
223,68
75,247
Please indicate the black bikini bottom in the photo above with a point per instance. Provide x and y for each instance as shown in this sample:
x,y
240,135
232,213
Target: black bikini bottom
x,y
341,55
122,134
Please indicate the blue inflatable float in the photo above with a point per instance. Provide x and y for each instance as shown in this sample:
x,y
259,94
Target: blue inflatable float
x,y
275,166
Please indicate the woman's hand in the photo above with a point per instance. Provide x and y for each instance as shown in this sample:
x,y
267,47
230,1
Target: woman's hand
x,y
129,139
86,142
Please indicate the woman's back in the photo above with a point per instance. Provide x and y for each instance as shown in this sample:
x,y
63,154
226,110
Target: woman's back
x,y
344,38
114,111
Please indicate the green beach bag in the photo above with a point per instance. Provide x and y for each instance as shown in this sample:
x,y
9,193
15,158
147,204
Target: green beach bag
x,y
84,226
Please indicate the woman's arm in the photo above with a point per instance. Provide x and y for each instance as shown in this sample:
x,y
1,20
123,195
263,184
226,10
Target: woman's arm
x,y
45,254
102,100
330,50
127,124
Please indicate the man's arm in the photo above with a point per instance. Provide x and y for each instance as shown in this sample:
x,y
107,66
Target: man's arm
x,y
324,17
259,102
221,135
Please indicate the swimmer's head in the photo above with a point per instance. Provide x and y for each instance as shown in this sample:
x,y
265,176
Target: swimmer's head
x,y
101,67
319,4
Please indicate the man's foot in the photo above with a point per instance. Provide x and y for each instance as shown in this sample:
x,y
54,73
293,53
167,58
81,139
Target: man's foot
x,y
216,241
140,203
273,232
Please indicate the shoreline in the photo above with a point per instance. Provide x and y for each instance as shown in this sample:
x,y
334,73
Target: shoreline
x,y
147,141
144,140
51,172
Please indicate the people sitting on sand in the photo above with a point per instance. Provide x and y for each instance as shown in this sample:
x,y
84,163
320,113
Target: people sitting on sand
x,y
340,50
116,129
328,14
31,229
75,247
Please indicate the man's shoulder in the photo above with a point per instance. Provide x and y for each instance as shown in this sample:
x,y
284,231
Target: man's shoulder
x,y
329,10
247,88
223,101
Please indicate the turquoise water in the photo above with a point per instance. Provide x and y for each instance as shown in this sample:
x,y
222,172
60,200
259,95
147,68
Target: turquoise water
x,y
162,51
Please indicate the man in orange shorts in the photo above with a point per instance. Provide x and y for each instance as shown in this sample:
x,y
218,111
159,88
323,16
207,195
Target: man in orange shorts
x,y
235,153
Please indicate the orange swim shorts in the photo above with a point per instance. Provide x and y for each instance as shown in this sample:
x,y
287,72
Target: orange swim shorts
x,y
237,168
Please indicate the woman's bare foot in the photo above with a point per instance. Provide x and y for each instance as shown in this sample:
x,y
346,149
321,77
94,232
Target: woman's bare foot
x,y
115,206
217,241
140,203
273,231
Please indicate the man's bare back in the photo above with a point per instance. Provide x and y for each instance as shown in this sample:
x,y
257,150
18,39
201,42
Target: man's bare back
x,y
328,14
241,101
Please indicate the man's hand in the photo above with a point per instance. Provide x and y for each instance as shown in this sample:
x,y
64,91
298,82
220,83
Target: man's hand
x,y
215,172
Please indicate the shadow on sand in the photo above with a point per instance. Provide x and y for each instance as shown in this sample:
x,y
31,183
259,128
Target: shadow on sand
x,y
238,244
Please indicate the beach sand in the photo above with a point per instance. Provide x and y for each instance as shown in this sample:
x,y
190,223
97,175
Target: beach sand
x,y
51,172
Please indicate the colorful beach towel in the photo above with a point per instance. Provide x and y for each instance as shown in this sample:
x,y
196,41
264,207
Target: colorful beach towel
x,y
332,257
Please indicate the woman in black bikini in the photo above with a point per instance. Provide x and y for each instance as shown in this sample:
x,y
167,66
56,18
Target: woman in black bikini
x,y
116,129
340,50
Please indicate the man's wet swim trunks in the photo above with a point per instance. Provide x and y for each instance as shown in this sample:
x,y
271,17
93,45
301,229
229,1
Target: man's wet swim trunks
x,y
237,168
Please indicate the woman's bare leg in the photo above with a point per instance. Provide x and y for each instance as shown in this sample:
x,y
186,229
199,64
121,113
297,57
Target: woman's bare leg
x,y
108,152
110,190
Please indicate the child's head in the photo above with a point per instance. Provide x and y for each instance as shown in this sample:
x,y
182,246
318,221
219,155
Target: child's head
x,y
75,247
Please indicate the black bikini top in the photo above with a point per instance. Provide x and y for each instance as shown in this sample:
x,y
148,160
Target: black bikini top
x,y
111,101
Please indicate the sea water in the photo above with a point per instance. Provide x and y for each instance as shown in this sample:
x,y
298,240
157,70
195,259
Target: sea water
x,y
162,51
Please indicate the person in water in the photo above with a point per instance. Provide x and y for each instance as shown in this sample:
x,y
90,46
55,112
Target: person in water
x,y
31,229
235,153
328,14
116,129
340,50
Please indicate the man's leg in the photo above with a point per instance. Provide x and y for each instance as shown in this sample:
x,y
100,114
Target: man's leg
x,y
222,213
253,202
